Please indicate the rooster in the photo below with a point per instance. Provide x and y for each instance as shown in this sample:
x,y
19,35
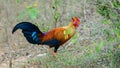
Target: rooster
x,y
53,38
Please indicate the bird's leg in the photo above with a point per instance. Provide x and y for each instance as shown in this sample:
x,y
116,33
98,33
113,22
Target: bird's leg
x,y
56,48
54,53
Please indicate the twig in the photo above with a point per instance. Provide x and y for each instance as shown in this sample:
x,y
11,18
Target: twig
x,y
84,10
63,12
8,37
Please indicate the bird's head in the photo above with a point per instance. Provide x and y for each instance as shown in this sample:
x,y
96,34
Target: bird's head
x,y
75,21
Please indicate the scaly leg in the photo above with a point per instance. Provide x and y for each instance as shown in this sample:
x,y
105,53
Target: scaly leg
x,y
54,54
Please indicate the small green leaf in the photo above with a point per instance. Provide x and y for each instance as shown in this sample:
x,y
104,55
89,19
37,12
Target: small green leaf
x,y
105,22
33,12
57,15
33,16
18,1
74,38
53,6
23,14
57,1
99,46
84,27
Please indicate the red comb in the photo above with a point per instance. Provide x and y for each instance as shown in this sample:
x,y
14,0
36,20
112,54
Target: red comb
x,y
76,19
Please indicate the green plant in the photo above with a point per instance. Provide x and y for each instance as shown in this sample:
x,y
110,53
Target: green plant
x,y
109,9
75,38
18,1
31,11
56,13
99,46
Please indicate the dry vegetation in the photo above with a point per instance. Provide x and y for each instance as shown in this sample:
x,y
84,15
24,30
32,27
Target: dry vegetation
x,y
96,44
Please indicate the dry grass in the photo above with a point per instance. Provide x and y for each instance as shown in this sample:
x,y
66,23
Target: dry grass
x,y
16,51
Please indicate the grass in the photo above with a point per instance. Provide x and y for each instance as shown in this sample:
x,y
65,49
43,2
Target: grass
x,y
96,44
77,58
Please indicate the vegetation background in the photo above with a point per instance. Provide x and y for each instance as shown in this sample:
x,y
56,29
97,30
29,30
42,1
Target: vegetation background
x,y
96,44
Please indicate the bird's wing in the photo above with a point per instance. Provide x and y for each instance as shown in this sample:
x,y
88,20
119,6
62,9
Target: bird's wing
x,y
54,37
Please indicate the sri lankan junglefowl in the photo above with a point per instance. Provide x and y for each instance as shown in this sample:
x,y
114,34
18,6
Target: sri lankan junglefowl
x,y
53,38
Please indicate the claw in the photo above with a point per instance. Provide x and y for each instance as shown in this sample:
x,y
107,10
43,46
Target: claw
x,y
54,54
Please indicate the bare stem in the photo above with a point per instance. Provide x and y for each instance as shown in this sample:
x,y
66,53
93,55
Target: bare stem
x,y
8,34
84,10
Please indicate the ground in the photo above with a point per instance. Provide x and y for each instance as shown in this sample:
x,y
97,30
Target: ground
x,y
79,52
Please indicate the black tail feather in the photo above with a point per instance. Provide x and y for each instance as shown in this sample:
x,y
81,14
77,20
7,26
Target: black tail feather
x,y
26,26
28,30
